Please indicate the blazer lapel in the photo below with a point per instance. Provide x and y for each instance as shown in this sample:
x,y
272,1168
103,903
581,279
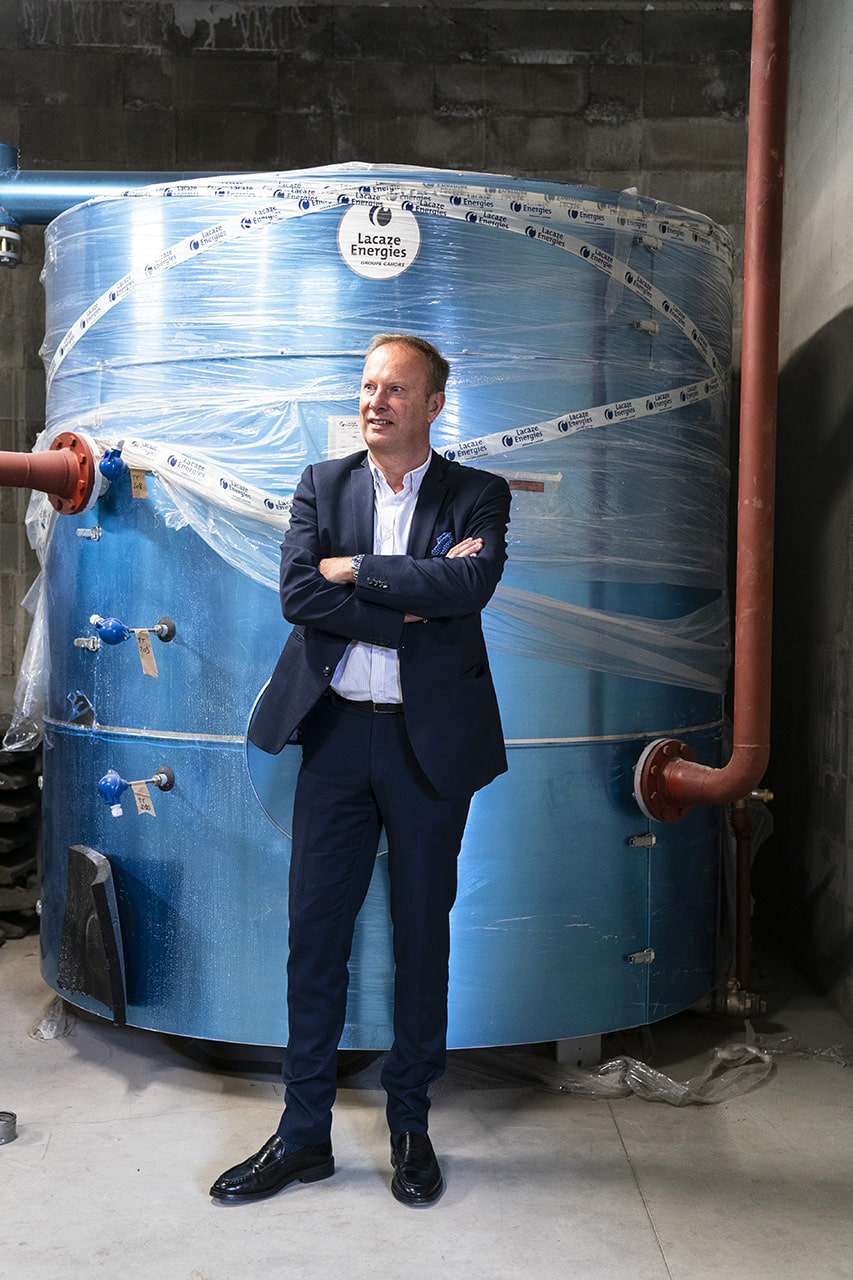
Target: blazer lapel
x,y
361,492
430,498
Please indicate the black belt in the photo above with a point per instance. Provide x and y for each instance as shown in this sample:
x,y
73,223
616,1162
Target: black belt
x,y
374,708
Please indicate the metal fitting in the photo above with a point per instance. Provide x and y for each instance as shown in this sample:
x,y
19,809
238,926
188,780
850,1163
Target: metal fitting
x,y
10,241
734,1004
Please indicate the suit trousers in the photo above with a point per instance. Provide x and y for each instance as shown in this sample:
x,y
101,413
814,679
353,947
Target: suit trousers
x,y
358,772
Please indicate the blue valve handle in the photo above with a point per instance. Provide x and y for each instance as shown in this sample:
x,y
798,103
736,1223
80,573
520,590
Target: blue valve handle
x,y
111,630
111,787
112,464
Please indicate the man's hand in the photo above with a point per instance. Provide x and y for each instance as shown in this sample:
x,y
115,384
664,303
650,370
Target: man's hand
x,y
338,569
467,547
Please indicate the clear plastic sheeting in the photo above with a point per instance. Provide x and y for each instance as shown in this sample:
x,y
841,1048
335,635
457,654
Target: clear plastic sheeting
x,y
220,319
56,1022
25,728
782,1044
731,1070
691,650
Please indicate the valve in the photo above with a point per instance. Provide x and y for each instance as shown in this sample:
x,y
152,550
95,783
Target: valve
x,y
114,631
110,630
112,465
112,786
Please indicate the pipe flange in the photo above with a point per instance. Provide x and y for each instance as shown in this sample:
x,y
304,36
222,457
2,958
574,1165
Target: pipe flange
x,y
649,784
83,492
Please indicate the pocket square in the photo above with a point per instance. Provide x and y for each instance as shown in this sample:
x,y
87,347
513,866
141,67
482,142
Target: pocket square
x,y
443,543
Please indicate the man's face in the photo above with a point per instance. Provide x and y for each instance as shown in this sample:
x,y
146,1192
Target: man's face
x,y
396,412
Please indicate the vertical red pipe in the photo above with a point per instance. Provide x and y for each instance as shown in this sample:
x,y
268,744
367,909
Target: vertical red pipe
x,y
668,781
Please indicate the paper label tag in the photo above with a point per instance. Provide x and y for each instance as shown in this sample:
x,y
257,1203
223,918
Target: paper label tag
x,y
344,436
146,653
138,486
142,796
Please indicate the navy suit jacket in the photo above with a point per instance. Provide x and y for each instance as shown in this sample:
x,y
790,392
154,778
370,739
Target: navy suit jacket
x,y
449,702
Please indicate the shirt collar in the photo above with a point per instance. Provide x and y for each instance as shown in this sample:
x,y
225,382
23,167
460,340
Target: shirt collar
x,y
412,480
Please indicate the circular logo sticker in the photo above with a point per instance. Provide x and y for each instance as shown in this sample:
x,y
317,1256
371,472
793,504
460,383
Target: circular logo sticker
x,y
378,242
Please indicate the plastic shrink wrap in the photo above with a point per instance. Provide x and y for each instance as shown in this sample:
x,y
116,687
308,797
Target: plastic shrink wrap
x,y
216,331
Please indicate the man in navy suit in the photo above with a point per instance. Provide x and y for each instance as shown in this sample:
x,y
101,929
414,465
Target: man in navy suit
x,y
390,557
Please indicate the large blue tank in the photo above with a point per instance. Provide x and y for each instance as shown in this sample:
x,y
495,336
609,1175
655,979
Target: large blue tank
x,y
216,331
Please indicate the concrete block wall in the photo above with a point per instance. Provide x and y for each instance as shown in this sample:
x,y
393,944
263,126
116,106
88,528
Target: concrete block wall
x,y
611,93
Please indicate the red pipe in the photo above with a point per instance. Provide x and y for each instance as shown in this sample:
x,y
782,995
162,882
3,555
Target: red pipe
x,y
65,472
668,779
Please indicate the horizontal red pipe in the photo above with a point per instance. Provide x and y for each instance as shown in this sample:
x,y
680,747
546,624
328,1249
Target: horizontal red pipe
x,y
55,471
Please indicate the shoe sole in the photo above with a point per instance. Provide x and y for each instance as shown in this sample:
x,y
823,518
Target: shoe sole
x,y
316,1173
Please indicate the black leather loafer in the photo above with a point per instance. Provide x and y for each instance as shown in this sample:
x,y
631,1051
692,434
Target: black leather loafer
x,y
417,1177
270,1169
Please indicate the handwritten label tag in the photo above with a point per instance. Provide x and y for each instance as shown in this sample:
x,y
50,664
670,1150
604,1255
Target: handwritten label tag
x,y
138,487
146,653
142,796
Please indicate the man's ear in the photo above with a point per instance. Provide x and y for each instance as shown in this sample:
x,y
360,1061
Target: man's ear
x,y
435,404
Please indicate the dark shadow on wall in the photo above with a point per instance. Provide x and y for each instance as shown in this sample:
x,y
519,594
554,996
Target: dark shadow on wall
x,y
803,899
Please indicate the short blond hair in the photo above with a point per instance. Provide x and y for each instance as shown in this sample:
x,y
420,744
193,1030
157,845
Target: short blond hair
x,y
439,369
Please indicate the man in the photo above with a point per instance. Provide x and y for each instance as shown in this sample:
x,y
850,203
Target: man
x,y
389,559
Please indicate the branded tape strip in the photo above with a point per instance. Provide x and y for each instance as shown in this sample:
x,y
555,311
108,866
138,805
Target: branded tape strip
x,y
441,198
226,490
204,478
296,200
190,247
581,420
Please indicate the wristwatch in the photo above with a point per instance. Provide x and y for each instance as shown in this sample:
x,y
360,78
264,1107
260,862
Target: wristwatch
x,y
356,565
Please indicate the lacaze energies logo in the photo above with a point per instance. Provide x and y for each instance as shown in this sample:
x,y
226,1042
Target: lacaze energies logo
x,y
378,242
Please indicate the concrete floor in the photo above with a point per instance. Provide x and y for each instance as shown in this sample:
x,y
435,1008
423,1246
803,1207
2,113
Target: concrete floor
x,y
122,1131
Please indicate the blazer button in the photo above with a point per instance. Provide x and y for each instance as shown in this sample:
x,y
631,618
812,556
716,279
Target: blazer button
x,y
327,671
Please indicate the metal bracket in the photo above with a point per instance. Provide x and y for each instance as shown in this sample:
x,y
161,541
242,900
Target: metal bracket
x,y
92,643
646,841
642,957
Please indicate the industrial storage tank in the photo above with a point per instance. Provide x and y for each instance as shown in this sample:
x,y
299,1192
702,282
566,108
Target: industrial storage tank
x,y
213,332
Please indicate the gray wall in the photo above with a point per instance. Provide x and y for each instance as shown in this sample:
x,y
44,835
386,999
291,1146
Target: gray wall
x,y
805,879
605,93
